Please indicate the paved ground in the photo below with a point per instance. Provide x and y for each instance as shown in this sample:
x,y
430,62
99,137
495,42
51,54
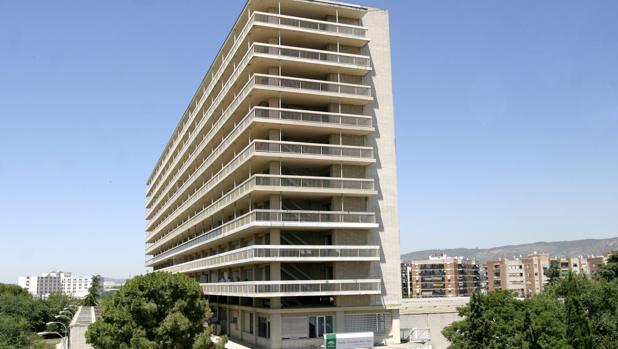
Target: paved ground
x,y
82,319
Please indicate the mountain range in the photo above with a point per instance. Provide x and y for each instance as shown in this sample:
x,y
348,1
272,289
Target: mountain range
x,y
585,247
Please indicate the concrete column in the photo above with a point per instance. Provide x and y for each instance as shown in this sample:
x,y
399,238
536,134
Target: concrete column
x,y
275,331
395,327
339,321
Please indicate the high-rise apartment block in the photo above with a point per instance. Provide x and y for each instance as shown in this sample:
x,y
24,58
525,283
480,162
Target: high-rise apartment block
x,y
277,190
406,280
43,285
443,276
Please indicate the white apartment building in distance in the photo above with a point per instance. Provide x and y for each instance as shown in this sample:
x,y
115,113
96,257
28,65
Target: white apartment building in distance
x,y
277,191
41,286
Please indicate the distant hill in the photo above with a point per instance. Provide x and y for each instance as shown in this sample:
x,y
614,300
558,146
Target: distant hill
x,y
556,248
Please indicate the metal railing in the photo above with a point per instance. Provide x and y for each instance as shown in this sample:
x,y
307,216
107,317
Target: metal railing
x,y
295,287
312,85
273,218
311,54
280,253
310,24
313,116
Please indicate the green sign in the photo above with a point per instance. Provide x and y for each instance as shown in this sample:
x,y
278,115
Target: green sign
x,y
330,341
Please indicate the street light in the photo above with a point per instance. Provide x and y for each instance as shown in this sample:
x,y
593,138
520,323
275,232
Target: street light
x,y
59,323
66,330
48,333
65,311
60,316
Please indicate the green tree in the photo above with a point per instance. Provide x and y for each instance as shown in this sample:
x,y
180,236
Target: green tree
x,y
157,310
490,320
609,271
94,292
553,272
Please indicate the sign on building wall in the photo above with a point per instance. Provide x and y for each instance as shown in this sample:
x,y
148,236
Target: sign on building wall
x,y
354,340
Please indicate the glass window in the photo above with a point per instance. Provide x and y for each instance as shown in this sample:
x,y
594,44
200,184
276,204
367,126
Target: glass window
x,y
263,327
312,327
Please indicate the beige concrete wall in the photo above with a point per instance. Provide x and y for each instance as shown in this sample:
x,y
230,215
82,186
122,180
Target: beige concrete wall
x,y
384,171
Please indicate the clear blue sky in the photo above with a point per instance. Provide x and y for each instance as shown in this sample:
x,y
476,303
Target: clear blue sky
x,y
506,113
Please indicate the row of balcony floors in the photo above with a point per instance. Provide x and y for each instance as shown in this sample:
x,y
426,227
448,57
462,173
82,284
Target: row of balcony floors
x,y
255,112
286,34
277,67
308,155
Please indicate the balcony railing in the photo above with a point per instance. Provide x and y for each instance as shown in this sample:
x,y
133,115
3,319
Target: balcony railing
x,y
310,24
282,218
293,288
310,54
313,116
280,181
263,253
263,146
312,85
289,21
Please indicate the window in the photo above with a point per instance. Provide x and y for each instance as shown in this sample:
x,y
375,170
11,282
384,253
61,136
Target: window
x,y
251,323
319,325
263,327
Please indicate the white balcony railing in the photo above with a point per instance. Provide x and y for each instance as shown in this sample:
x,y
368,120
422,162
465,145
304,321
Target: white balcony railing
x,y
272,218
311,54
293,288
262,146
290,21
281,182
312,85
310,24
279,253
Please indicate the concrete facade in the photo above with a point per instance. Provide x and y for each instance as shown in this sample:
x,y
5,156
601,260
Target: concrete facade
x,y
43,285
278,191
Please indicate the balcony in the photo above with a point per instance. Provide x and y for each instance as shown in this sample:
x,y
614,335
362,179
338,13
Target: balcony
x,y
264,182
296,288
279,149
273,218
348,63
351,92
306,24
279,253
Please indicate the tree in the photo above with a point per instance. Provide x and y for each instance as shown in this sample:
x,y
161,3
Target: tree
x,y
490,320
94,292
553,272
157,310
609,271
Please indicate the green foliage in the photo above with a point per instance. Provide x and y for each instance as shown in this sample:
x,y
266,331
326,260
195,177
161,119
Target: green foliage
x,y
574,312
609,271
553,272
156,310
21,316
94,292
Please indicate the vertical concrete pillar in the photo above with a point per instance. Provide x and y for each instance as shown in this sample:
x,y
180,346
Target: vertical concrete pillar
x,y
275,331
339,321
395,327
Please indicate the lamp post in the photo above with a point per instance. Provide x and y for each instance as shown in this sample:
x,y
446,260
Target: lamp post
x,y
47,333
63,316
66,330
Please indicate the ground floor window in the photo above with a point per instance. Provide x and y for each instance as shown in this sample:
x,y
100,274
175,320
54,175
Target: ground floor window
x,y
377,323
263,327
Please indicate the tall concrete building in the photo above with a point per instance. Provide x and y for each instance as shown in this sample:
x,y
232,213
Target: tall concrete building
x,y
277,190
524,276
